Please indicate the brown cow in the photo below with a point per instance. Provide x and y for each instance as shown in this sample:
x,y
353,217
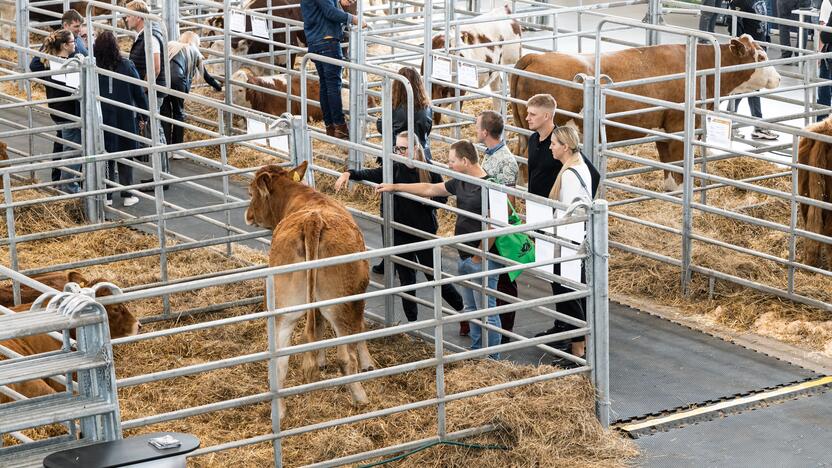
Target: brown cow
x,y
819,187
121,322
309,225
276,105
636,63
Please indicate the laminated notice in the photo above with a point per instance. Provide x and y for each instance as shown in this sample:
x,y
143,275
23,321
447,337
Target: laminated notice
x,y
498,205
718,131
238,21
544,250
259,27
468,75
539,213
441,69
253,127
281,142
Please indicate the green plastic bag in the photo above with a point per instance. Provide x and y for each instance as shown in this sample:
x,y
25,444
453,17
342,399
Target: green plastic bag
x,y
518,246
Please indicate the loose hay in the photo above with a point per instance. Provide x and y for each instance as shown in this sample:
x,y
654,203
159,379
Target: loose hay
x,y
555,423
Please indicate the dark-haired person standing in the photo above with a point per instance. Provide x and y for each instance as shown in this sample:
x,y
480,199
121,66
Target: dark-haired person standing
x,y
107,56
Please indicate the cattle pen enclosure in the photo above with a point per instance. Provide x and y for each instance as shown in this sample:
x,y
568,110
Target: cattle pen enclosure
x,y
196,276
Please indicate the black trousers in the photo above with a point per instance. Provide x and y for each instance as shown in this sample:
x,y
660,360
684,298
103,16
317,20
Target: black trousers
x,y
506,286
174,108
407,276
575,308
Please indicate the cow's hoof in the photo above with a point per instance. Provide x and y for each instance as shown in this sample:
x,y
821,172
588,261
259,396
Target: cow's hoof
x,y
368,369
670,184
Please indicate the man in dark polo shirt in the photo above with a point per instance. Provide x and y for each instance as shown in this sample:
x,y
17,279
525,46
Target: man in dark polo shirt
x,y
463,158
543,168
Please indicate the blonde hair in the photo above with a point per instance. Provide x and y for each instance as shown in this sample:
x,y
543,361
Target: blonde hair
x,y
139,6
570,138
418,155
543,101
187,39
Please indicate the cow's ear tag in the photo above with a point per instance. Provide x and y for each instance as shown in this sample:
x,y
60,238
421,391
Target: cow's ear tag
x,y
296,177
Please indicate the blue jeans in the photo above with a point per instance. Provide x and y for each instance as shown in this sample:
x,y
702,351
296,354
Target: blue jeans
x,y
707,20
824,92
754,105
473,301
73,135
330,80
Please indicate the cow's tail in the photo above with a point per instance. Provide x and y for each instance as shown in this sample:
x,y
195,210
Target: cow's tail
x,y
312,230
519,112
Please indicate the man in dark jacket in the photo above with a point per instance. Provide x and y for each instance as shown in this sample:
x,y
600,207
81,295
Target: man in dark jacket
x,y
155,68
323,24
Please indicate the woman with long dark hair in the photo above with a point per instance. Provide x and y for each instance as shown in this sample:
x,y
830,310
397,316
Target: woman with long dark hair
x,y
422,115
108,57
61,43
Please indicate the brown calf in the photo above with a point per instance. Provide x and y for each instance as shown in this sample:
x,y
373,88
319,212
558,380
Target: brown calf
x,y
309,225
819,187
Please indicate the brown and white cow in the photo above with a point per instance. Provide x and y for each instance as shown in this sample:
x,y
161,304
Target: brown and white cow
x,y
495,30
810,184
632,64
309,225
120,320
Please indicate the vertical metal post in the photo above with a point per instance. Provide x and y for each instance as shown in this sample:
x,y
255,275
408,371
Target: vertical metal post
x,y
171,14
387,197
356,85
225,182
590,121
450,15
226,34
554,32
687,183
7,196
793,207
485,212
598,346
438,340
274,382
93,143
601,99
703,151
654,9
428,40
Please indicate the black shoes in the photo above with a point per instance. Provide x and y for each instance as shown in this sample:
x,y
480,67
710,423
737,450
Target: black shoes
x,y
379,269
150,189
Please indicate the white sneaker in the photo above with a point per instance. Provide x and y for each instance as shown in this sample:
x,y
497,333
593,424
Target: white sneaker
x,y
130,201
177,157
108,202
763,134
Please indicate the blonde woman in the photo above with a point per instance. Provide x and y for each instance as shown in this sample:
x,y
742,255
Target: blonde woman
x,y
572,182
410,213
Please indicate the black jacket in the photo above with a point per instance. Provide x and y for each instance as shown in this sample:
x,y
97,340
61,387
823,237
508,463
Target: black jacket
x,y
408,212
118,117
183,68
138,59
422,120
72,107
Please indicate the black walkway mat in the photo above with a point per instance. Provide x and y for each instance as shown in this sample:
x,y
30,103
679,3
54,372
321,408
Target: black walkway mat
x,y
657,365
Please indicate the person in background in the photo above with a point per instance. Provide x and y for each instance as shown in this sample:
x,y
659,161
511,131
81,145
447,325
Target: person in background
x,y
825,45
784,11
543,168
85,36
156,68
409,213
500,164
324,26
573,181
186,65
707,19
422,119
61,43
759,32
108,57
72,21
463,158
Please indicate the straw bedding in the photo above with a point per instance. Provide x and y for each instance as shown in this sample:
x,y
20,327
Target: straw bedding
x,y
554,425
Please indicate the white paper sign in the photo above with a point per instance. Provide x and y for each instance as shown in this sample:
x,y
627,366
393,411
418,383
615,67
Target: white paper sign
x,y
441,69
238,21
53,65
253,127
572,269
544,251
280,142
718,131
468,75
73,80
498,205
537,213
259,27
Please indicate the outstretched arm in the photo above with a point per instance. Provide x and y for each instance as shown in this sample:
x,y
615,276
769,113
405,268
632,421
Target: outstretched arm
x,y
422,189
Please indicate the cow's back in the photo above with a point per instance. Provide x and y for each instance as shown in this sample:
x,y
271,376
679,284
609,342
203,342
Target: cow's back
x,y
339,235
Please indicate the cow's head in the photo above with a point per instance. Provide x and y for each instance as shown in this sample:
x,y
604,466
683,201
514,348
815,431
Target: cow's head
x,y
744,50
238,93
122,322
269,183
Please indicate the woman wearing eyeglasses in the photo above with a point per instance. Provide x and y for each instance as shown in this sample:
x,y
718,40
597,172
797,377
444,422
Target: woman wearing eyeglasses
x,y
422,115
410,213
